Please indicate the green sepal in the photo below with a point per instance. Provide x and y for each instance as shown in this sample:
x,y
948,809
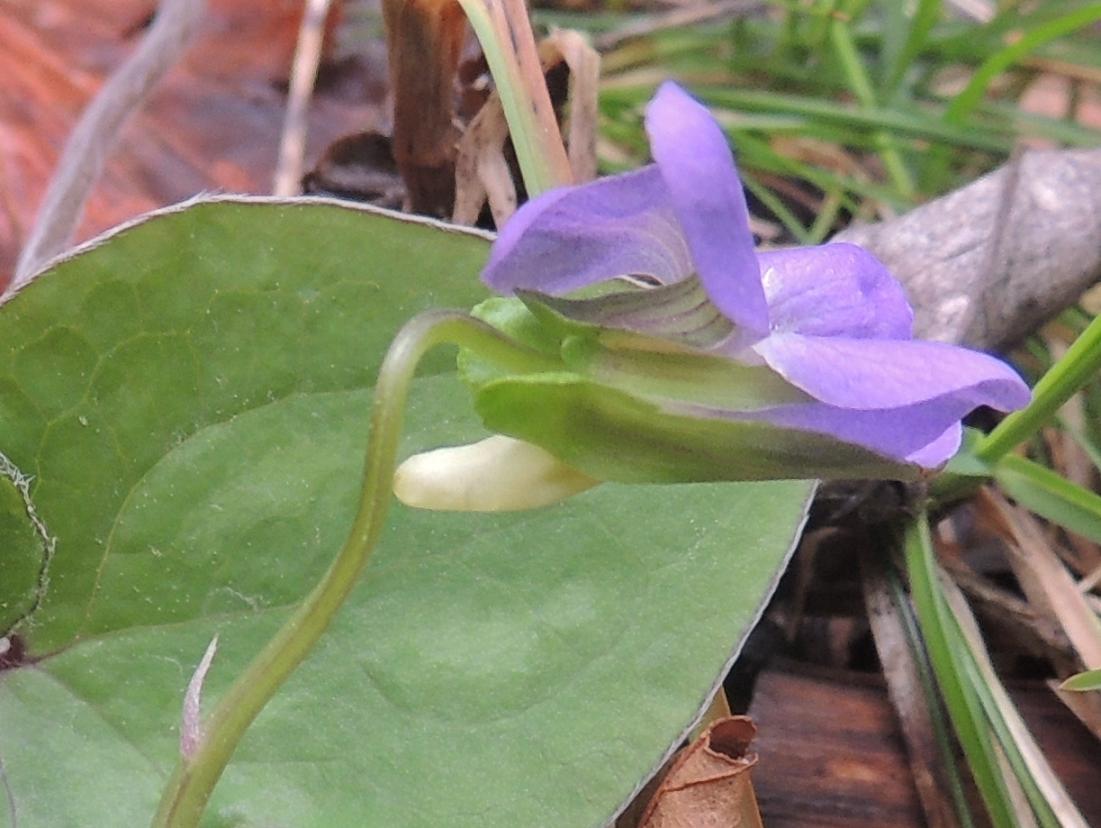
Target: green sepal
x,y
644,403
512,318
680,315
680,377
613,435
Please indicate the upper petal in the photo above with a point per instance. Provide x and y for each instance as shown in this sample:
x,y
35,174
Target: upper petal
x,y
571,237
709,203
878,374
834,290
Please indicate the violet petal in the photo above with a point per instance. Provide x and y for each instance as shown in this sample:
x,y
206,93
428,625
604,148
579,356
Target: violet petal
x,y
879,374
834,290
927,433
708,200
940,450
571,237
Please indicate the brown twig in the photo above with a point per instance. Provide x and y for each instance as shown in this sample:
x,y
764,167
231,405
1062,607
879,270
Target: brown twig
x,y
86,150
307,57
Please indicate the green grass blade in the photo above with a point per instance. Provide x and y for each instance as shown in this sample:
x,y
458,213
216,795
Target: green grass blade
x,y
964,707
1083,682
966,101
1031,40
937,712
861,85
1041,786
1050,495
777,207
897,62
914,123
1077,367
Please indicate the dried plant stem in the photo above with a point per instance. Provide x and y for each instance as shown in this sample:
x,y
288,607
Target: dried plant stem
x,y
86,150
504,30
424,40
307,57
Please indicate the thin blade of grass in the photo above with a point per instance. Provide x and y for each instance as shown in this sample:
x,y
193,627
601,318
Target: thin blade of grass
x,y
1049,799
1031,39
1050,495
913,693
963,706
1034,36
1083,682
861,86
898,59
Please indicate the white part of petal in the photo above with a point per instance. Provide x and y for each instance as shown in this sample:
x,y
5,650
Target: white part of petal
x,y
191,728
498,474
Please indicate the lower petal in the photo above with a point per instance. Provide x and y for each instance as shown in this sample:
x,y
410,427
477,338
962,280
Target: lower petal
x,y
882,374
927,434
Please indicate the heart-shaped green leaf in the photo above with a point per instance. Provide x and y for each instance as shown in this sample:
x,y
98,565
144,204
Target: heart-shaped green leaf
x,y
190,396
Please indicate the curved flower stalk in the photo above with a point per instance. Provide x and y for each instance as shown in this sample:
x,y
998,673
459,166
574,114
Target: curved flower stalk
x,y
720,362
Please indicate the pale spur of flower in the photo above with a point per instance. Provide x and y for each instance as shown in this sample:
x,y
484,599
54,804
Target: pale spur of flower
x,y
716,362
494,475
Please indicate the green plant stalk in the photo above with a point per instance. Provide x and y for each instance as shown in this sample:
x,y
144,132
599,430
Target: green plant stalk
x,y
964,707
898,120
846,52
819,27
1077,367
824,221
509,48
194,778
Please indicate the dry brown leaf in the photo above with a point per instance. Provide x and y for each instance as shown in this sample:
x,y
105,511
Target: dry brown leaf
x,y
481,170
1083,705
708,783
213,124
1053,592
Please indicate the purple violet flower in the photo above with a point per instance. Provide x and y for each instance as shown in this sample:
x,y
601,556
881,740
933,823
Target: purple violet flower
x,y
830,321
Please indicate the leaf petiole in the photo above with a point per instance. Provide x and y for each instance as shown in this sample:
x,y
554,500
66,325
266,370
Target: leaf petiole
x,y
194,778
